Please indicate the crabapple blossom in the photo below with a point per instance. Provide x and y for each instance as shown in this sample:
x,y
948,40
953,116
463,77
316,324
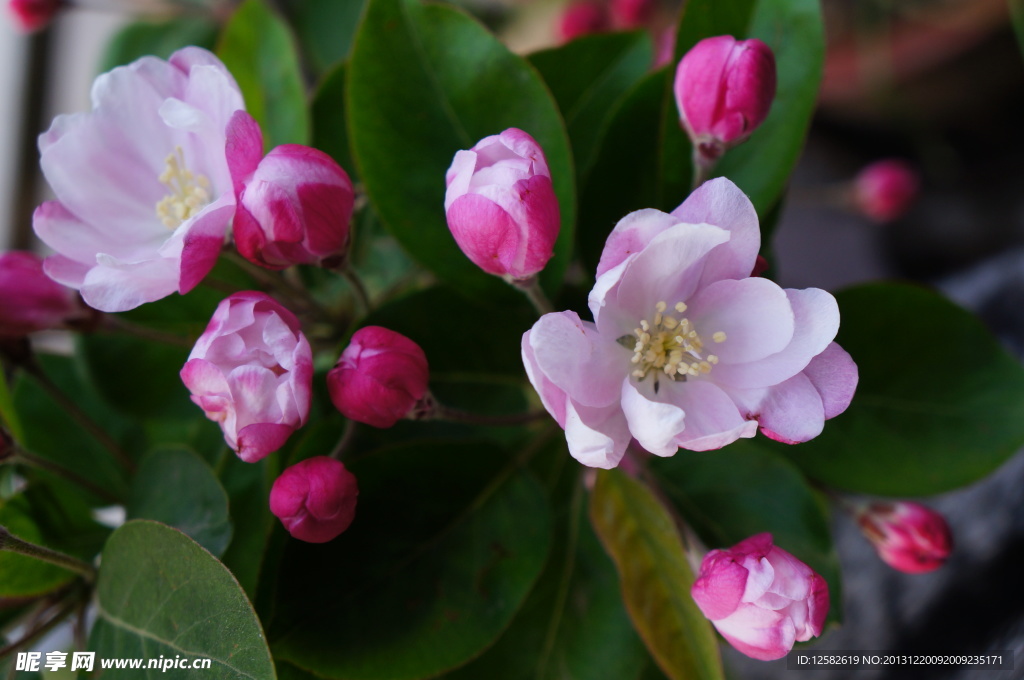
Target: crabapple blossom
x,y
379,377
761,598
251,371
686,349
315,499
144,196
908,536
501,205
885,189
30,300
294,205
724,88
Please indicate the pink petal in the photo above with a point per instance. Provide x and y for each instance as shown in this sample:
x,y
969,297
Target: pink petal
x,y
719,588
759,633
655,424
493,248
712,419
203,242
578,360
597,437
243,148
834,375
261,439
552,397
631,235
754,314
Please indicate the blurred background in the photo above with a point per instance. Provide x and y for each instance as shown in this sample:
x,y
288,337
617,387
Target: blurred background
x,y
938,84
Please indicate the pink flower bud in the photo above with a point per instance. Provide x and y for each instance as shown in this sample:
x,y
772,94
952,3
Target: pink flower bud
x,y
315,499
294,205
885,189
761,598
32,15
908,536
724,88
252,372
501,205
29,299
379,377
631,13
583,18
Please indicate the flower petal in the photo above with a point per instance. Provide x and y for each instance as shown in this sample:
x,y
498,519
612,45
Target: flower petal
x,y
597,437
723,204
631,235
712,419
834,375
655,424
754,314
577,359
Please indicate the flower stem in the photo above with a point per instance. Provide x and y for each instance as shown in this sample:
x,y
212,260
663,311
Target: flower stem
x,y
79,415
703,164
31,460
534,293
358,288
37,630
118,325
14,544
347,437
296,292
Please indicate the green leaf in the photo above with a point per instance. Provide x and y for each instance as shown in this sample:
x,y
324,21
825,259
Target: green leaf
x,y
325,29
922,421
587,78
761,166
248,489
259,50
429,574
330,131
22,576
639,535
424,82
573,625
706,18
159,39
743,490
1017,14
160,593
175,486
8,413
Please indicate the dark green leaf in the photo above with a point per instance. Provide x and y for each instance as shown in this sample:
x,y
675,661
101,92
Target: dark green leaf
x,y
175,486
159,593
655,577
330,132
706,18
248,489
259,50
22,576
446,544
743,490
922,421
424,82
159,39
325,29
588,77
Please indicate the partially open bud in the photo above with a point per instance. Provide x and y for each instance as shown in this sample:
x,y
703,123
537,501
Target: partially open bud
x,y
885,189
32,15
379,378
908,536
761,598
29,299
583,17
294,205
724,88
501,205
315,499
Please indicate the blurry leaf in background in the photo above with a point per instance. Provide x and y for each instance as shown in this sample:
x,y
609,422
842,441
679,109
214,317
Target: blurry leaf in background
x,y
159,39
248,489
325,29
447,541
655,577
22,576
177,487
330,130
924,418
413,102
159,593
260,51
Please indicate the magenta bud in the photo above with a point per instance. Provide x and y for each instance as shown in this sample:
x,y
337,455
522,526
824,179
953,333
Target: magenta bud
x,y
294,205
583,18
379,378
32,15
724,88
908,536
315,499
29,299
761,598
631,13
501,205
884,190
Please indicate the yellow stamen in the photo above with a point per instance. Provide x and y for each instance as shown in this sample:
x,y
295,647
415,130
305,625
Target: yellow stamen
x,y
189,193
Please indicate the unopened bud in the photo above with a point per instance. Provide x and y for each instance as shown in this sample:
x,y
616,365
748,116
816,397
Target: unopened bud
x,y
33,15
885,189
908,536
315,499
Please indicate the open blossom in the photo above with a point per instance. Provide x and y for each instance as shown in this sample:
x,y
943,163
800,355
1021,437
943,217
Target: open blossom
x,y
144,197
315,499
761,598
686,350
30,300
252,372
294,204
501,205
908,536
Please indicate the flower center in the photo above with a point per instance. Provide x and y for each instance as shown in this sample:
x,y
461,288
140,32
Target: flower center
x,y
670,345
189,192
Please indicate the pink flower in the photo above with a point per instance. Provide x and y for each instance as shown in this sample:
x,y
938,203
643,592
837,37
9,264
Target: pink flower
x,y
294,205
686,350
30,300
908,536
761,598
379,377
32,15
501,206
315,499
724,88
885,189
583,17
144,194
252,372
